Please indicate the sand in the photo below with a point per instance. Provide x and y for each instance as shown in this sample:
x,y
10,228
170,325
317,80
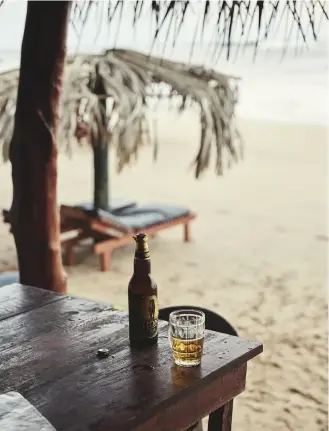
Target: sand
x,y
258,255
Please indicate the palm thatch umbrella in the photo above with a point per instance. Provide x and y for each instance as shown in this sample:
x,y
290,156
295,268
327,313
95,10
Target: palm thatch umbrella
x,y
33,148
128,79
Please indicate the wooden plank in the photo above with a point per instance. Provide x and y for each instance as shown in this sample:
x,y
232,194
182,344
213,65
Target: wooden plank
x,y
17,298
189,409
127,395
59,316
67,332
132,390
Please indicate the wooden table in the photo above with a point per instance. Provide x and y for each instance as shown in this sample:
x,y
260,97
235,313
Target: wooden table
x,y
48,345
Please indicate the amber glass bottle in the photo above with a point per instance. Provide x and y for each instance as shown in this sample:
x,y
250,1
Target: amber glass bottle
x,y
142,298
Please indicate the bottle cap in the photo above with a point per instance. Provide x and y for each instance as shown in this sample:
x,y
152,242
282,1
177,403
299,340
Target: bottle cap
x,y
142,249
103,353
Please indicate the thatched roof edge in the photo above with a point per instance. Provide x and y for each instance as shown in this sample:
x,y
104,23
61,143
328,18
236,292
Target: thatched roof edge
x,y
128,79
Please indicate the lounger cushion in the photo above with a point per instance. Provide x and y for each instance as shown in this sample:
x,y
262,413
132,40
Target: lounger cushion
x,y
146,215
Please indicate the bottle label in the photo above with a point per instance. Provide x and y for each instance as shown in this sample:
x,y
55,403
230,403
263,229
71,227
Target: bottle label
x,y
143,316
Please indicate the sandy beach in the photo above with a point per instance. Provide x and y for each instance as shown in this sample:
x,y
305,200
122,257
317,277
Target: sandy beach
x,y
258,255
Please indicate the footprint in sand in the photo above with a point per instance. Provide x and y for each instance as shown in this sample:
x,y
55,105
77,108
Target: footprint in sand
x,y
191,264
321,238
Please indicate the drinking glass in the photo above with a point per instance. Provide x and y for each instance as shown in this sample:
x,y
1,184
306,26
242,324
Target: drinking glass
x,y
186,335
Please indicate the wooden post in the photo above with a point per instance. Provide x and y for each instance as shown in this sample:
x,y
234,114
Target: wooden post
x,y
33,152
101,153
105,260
187,231
69,254
221,419
101,187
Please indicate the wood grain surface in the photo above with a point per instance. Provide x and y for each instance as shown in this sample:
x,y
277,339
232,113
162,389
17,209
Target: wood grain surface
x,y
48,354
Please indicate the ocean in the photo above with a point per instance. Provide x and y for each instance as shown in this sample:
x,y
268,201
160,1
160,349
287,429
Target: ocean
x,y
279,84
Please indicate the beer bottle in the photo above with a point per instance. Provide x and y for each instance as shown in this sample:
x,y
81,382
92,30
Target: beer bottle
x,y
142,298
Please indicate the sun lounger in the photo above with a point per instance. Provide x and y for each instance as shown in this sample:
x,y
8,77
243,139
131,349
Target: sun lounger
x,y
113,230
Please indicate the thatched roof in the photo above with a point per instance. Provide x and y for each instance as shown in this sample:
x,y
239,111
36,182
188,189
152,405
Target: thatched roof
x,y
128,79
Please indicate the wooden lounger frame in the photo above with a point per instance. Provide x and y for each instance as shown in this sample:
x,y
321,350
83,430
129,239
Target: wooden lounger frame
x,y
77,226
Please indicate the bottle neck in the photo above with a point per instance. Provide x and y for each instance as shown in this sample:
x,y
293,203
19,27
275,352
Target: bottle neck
x,y
142,267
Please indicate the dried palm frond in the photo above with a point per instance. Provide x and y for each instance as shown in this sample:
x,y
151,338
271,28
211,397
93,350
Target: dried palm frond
x,y
127,79
222,19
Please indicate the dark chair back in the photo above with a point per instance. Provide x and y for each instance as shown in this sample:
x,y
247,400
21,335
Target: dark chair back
x,y
214,322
